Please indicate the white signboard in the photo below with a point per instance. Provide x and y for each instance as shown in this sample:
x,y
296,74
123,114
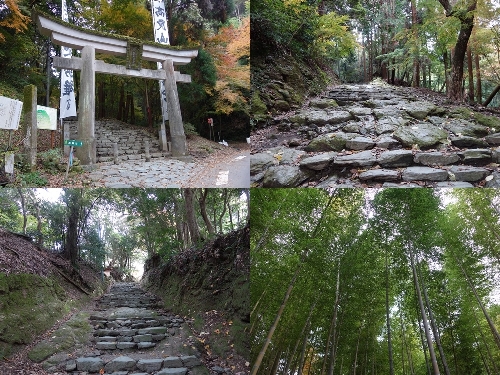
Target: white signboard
x,y
10,113
46,118
67,103
160,27
9,163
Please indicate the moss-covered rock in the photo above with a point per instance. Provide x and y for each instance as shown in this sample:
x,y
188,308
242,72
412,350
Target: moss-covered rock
x,y
489,121
74,332
258,106
29,305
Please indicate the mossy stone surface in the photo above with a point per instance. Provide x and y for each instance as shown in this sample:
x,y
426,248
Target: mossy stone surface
x,y
29,305
74,332
258,106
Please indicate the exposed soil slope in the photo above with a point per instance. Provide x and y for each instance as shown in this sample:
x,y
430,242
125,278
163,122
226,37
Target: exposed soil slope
x,y
210,286
37,289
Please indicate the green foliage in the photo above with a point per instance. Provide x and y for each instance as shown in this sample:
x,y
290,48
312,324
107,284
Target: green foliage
x,y
196,95
32,179
51,159
374,242
333,39
189,129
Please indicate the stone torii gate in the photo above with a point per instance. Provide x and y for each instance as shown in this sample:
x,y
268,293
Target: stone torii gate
x,y
90,42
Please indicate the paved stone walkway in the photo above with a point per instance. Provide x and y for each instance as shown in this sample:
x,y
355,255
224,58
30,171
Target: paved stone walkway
x,y
162,171
377,135
157,173
130,337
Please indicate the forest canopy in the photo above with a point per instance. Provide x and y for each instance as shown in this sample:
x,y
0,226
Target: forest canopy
x,y
358,281
121,227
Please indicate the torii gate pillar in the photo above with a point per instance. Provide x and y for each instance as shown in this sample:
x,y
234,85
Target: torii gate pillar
x,y
86,121
177,135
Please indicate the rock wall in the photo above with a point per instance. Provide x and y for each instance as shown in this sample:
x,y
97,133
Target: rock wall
x,y
281,82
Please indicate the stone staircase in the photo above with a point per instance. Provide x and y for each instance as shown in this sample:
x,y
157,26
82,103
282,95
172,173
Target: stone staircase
x,y
130,140
379,136
128,329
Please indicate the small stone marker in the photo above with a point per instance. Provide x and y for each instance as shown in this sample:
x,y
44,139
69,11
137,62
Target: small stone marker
x,y
9,163
30,130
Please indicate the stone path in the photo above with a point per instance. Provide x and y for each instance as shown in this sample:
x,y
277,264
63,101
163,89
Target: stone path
x,y
377,135
157,173
130,337
161,171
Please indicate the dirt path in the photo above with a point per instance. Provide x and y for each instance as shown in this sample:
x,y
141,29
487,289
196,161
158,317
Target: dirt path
x,y
228,168
124,334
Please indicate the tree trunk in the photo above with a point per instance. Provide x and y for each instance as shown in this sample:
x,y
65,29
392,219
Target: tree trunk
x,y
357,349
445,63
203,210
490,356
424,316
422,341
388,321
493,329
333,324
121,104
39,225
457,64
179,218
194,231
435,331
260,356
23,209
276,362
224,195
416,57
479,95
471,75
73,213
304,348
492,95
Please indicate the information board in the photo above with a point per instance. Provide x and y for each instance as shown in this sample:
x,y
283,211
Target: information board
x,y
46,118
10,113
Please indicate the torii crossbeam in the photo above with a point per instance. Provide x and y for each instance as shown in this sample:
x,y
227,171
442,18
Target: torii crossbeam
x,y
90,42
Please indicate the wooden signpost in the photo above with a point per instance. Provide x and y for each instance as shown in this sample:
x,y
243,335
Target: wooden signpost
x,y
72,143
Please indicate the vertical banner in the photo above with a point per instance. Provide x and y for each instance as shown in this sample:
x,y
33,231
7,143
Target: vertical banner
x,y
161,36
67,104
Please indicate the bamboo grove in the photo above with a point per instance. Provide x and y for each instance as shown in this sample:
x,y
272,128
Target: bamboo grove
x,y
394,281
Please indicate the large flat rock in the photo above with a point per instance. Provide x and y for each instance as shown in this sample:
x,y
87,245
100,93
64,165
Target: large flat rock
x,y
422,134
330,142
380,175
436,158
284,176
468,173
396,158
424,174
360,159
318,162
90,364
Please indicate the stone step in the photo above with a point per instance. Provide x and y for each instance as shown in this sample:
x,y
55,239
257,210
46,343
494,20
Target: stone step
x,y
168,365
